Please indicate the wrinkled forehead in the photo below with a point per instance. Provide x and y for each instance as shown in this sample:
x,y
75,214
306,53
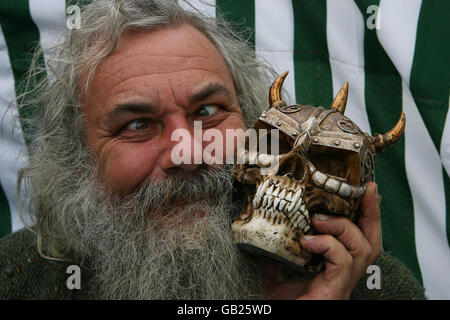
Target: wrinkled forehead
x,y
161,50
163,68
164,51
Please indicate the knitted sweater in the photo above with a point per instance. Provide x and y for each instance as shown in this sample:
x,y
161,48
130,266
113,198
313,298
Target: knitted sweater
x,y
24,274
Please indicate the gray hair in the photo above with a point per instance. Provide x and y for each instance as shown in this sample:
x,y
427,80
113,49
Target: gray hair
x,y
57,151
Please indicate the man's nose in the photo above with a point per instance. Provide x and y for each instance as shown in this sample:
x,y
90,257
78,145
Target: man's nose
x,y
184,152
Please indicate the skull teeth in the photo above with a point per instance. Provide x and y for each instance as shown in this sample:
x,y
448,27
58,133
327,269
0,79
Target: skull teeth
x,y
296,199
289,196
282,205
278,201
283,194
266,199
276,192
270,201
334,185
256,201
261,189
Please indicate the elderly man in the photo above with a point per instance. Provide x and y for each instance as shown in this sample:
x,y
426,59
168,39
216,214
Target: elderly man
x,y
108,196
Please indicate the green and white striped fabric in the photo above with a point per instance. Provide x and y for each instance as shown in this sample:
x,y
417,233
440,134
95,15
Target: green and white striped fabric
x,y
397,62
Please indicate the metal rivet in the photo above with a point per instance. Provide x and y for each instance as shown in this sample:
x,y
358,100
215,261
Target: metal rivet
x,y
357,145
279,123
294,134
316,140
336,142
263,115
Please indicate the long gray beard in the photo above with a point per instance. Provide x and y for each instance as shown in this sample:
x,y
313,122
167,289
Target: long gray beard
x,y
156,245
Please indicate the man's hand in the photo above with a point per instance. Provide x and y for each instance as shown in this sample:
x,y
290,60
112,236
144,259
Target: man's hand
x,y
347,248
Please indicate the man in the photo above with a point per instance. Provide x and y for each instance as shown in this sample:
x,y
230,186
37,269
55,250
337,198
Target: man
x,y
109,197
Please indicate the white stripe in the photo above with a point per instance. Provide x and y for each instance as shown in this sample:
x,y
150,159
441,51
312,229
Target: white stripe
x,y
49,16
423,164
207,7
274,39
345,39
424,172
13,155
398,32
445,142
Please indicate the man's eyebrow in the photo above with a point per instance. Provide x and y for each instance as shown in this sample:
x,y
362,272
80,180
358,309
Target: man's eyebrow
x,y
130,108
208,91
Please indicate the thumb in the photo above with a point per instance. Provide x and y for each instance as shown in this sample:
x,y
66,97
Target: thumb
x,y
370,220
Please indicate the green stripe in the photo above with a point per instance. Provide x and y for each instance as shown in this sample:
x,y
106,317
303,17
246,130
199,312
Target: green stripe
x,y
313,82
430,75
21,36
383,97
5,215
242,16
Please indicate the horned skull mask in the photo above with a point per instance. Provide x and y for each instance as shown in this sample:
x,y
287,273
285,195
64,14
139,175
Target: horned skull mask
x,y
324,165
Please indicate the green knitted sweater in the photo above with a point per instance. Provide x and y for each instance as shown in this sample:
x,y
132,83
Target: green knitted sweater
x,y
24,274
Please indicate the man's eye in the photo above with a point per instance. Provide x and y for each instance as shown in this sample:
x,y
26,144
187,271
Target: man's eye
x,y
137,125
207,110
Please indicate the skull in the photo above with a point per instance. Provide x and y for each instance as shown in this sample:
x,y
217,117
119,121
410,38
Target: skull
x,y
324,165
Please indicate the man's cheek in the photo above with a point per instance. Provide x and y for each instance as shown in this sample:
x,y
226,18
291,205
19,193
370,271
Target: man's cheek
x,y
128,167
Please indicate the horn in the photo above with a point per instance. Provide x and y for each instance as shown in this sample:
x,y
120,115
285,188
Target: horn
x,y
275,99
340,101
382,141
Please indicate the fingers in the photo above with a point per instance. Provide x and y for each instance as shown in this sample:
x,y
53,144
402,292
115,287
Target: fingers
x,y
332,250
351,238
362,242
370,220
336,281
347,248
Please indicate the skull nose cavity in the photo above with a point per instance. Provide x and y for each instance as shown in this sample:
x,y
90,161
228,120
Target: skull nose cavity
x,y
291,167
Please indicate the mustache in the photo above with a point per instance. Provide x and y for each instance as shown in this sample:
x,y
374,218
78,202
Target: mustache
x,y
208,185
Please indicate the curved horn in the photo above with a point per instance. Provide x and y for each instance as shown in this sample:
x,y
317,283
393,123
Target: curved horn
x,y
275,99
382,141
340,101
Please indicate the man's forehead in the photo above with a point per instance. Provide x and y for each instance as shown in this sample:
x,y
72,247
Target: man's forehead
x,y
178,50
137,65
149,66
179,42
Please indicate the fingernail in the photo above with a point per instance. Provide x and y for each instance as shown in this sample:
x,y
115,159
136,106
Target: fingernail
x,y
307,237
321,216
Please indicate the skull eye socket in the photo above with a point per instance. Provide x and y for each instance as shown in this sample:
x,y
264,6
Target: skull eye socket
x,y
291,167
269,141
340,164
330,165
